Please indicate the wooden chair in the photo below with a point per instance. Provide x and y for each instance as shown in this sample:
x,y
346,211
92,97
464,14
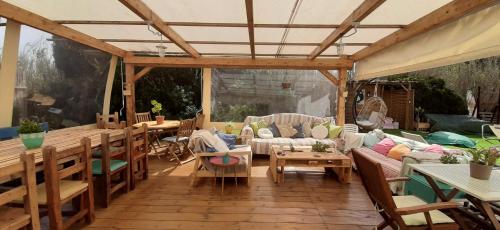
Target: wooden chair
x,y
142,117
16,218
114,161
181,139
200,118
64,184
138,147
109,121
400,212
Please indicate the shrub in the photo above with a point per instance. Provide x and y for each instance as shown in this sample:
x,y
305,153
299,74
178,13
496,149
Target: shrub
x,y
28,126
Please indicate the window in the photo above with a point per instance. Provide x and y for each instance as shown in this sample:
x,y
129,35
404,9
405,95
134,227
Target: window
x,y
58,81
238,93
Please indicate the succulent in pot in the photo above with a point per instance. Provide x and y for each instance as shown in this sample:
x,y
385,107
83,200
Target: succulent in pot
x,y
31,134
158,110
482,162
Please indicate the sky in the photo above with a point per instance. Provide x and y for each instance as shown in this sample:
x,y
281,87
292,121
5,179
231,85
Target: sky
x,y
28,35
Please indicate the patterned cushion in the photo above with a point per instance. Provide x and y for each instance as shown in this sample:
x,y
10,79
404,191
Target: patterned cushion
x,y
256,125
274,129
334,131
319,132
300,131
265,133
286,130
307,128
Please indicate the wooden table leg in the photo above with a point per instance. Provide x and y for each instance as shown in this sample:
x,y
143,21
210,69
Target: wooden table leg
x,y
444,198
223,171
273,167
235,178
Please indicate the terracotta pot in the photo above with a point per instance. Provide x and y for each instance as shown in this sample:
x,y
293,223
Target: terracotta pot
x,y
479,171
160,119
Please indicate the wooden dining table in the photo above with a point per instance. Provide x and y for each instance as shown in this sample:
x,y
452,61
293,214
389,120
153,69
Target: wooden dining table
x,y
481,192
10,150
166,125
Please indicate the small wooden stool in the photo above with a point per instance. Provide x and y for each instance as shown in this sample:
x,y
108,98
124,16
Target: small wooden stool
x,y
218,162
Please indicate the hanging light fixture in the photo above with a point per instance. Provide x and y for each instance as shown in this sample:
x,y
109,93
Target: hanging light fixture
x,y
161,48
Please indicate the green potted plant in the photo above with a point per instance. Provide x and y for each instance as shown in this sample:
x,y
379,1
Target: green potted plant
x,y
229,127
482,162
31,134
158,110
319,147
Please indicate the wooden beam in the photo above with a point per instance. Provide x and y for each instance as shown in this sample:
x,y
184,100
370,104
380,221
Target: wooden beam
x,y
8,72
231,55
329,76
249,7
143,72
356,16
109,85
231,43
147,14
129,94
446,14
219,24
28,18
341,89
264,63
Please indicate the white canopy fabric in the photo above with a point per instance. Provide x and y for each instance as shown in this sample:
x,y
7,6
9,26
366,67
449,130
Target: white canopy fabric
x,y
471,37
131,37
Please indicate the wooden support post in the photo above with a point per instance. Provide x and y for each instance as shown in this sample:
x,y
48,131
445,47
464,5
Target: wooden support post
x,y
130,94
109,85
207,94
340,96
8,72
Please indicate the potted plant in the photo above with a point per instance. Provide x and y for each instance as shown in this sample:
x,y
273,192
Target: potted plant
x,y
319,147
158,110
419,110
229,127
31,134
482,162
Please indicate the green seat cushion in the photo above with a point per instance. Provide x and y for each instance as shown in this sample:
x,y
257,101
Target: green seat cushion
x,y
114,165
448,138
98,153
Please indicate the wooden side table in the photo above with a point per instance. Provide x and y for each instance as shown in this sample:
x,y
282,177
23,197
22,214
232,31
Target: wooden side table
x,y
218,162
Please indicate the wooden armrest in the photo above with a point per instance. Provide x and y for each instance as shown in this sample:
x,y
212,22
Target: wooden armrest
x,y
396,179
426,208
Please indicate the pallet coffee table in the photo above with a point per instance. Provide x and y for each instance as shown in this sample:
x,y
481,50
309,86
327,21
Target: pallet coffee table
x,y
304,157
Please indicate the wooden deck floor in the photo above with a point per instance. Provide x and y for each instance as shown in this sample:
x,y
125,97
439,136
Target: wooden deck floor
x,y
306,201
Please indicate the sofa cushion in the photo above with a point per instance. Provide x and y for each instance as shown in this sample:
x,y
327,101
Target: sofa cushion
x,y
265,133
274,129
300,131
384,146
334,131
263,146
286,130
319,132
256,125
398,151
434,148
307,128
371,138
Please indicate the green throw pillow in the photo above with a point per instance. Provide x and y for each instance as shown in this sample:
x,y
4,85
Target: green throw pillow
x,y
334,131
256,125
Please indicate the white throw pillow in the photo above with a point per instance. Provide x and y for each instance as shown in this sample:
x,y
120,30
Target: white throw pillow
x,y
265,133
319,132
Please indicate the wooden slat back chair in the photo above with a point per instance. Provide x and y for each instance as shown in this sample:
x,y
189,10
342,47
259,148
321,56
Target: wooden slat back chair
x,y
181,139
111,121
400,212
63,184
16,218
142,117
138,146
113,162
200,118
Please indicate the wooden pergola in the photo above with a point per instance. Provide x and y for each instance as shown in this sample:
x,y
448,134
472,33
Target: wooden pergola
x,y
356,32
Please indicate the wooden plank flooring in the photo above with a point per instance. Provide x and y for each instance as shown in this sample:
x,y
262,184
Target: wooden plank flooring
x,y
307,200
